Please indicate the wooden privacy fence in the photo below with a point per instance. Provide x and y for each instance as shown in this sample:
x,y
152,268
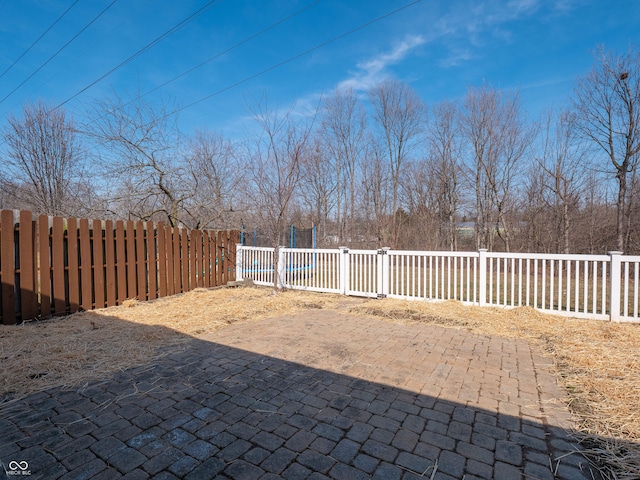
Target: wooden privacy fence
x,y
55,265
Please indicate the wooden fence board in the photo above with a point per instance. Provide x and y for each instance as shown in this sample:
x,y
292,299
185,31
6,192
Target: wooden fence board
x,y
28,286
57,263
7,260
141,262
44,266
184,257
86,281
177,277
110,263
206,274
193,268
121,263
98,264
219,258
162,259
168,241
132,289
152,262
73,269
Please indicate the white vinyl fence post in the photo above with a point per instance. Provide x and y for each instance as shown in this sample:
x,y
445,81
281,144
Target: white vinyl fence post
x,y
239,254
614,286
383,272
344,272
482,277
282,267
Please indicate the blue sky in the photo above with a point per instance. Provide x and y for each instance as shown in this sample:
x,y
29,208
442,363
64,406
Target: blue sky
x,y
439,47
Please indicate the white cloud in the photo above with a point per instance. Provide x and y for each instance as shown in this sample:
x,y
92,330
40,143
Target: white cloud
x,y
372,71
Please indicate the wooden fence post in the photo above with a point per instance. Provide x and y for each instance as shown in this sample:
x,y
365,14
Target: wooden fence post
x,y
98,265
110,263
152,262
73,266
7,263
27,259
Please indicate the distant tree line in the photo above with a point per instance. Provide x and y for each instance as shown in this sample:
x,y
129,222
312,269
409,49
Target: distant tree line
x,y
369,171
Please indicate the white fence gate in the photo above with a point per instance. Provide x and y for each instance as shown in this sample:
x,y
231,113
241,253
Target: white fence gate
x,y
603,287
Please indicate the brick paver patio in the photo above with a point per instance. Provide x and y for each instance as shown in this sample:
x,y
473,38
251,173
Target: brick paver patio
x,y
315,396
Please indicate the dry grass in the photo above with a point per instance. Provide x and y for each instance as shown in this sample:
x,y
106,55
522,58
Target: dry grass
x,y
599,361
70,351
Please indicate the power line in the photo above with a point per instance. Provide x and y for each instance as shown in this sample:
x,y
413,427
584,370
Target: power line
x,y
148,46
299,55
59,50
39,38
233,47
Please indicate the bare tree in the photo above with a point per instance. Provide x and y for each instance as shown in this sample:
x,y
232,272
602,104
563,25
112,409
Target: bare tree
x,y
343,128
43,159
445,146
319,184
277,153
398,116
499,138
214,170
421,188
377,196
563,163
607,104
140,141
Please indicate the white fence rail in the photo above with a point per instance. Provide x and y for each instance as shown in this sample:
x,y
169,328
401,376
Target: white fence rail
x,y
604,287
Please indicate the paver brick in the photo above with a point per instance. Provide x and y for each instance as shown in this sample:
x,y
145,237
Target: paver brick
x,y
295,471
504,471
127,459
162,460
382,436
405,440
387,471
451,463
107,447
479,469
535,470
328,431
315,461
240,470
267,440
86,471
380,451
200,450
300,440
345,450
183,466
340,471
278,460
416,464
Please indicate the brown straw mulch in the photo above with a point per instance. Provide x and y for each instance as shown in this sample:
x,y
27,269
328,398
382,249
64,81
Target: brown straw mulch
x,y
73,350
599,361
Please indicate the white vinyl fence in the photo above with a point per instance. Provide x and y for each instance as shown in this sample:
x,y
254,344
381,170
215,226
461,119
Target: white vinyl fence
x,y
603,287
